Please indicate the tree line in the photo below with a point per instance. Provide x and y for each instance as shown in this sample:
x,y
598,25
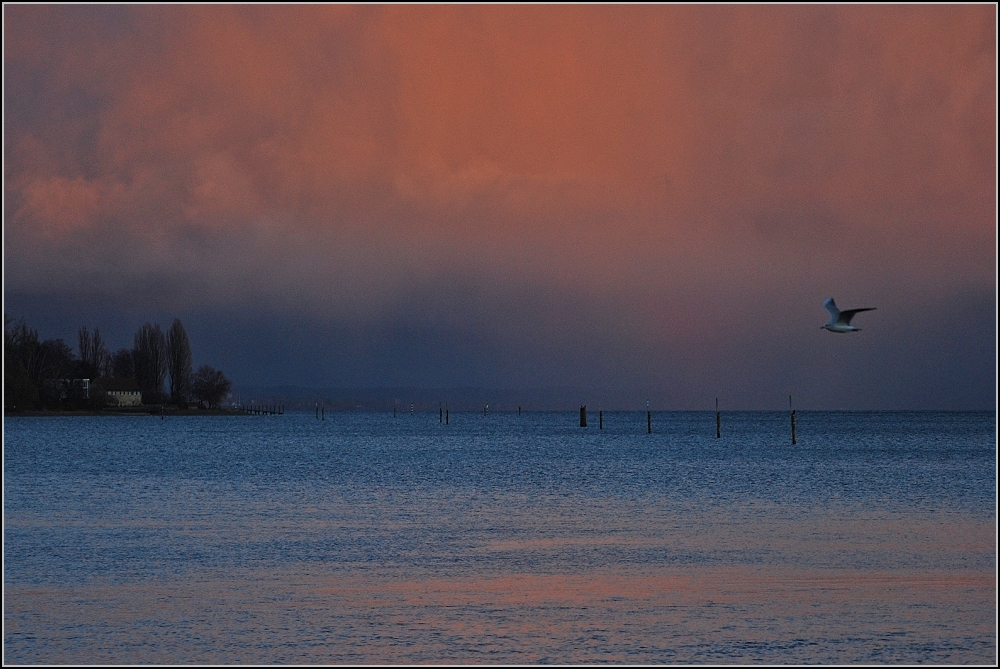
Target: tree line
x,y
160,364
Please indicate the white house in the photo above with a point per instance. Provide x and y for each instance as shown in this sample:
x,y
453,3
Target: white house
x,y
121,392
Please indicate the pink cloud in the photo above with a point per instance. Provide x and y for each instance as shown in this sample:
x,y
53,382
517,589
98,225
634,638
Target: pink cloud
x,y
646,161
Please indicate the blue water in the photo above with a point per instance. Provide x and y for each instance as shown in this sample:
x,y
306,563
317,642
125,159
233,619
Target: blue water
x,y
501,538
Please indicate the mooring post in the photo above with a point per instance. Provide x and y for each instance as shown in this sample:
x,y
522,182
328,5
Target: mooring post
x,y
445,416
317,410
718,420
440,413
649,419
793,419
324,413
518,411
600,419
583,416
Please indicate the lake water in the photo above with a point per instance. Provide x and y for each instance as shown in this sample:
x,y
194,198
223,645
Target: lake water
x,y
365,538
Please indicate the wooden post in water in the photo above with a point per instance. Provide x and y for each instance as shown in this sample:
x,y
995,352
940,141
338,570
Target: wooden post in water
x,y
793,419
583,416
649,419
440,413
718,420
600,419
518,411
324,413
317,410
445,416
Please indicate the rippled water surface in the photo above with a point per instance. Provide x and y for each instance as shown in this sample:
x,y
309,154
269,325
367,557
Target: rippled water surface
x,y
365,538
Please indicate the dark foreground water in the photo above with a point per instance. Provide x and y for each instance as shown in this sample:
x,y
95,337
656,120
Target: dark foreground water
x,y
501,538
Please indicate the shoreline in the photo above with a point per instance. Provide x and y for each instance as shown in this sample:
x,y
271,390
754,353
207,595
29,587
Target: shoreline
x,y
146,411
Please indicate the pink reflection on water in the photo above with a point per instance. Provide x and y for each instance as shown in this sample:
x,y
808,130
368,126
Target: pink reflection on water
x,y
741,613
929,596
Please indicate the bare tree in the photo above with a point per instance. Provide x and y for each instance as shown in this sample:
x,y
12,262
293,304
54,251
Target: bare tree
x,y
84,339
21,365
149,357
179,362
122,365
94,356
210,386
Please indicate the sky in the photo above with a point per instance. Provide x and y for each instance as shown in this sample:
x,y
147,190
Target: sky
x,y
640,201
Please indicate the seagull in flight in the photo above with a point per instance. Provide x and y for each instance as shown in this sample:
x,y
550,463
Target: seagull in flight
x,y
840,321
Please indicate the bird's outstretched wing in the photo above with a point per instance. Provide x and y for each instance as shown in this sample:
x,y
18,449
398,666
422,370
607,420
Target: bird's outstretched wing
x,y
831,306
846,316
